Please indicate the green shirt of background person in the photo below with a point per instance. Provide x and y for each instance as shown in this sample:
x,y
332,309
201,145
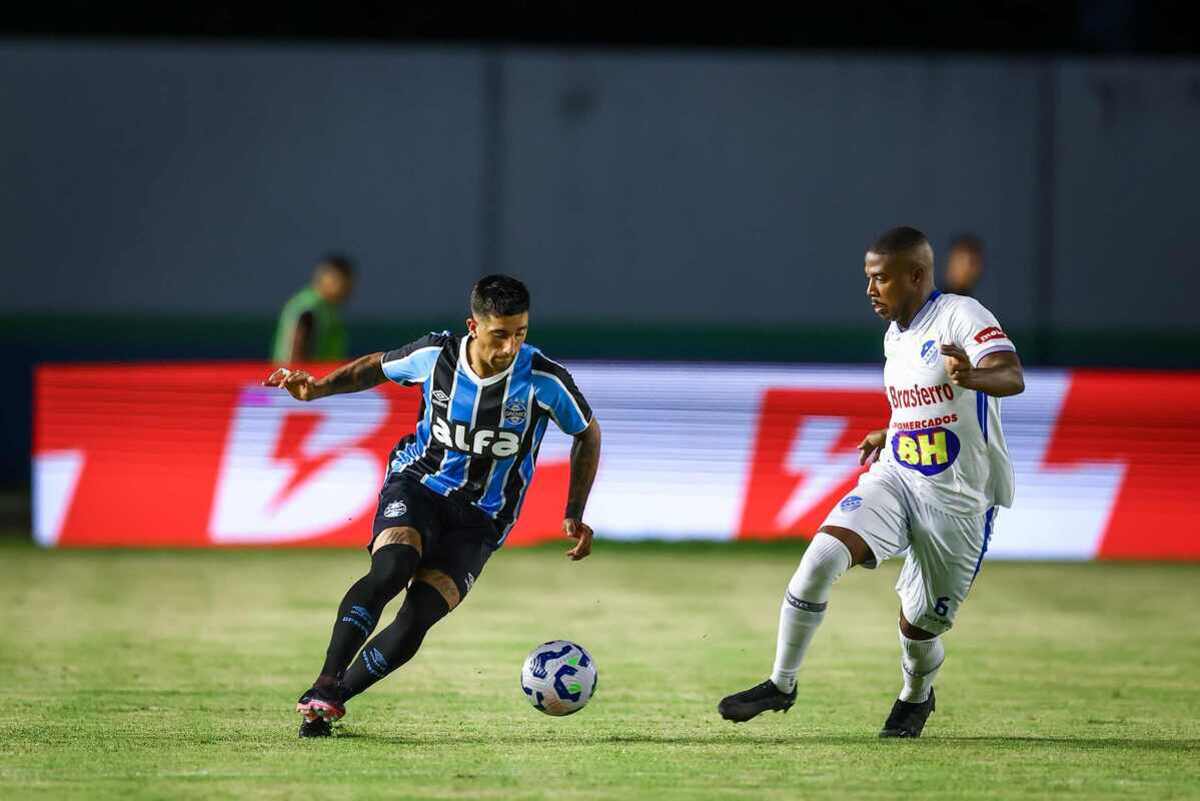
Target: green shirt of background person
x,y
310,328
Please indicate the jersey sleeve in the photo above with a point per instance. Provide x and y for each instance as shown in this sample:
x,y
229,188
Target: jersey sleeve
x,y
414,363
555,391
977,331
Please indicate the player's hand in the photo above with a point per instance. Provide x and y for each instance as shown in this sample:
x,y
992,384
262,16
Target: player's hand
x,y
299,384
871,446
958,364
581,531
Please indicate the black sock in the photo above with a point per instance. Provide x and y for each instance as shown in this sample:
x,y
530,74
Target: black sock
x,y
397,643
391,568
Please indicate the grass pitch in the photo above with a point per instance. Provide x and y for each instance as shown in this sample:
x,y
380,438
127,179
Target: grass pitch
x,y
173,675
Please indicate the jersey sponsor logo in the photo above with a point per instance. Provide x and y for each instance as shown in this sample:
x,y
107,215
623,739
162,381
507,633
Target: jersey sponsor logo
x,y
493,442
515,412
933,422
929,451
439,398
850,503
395,509
918,395
929,352
990,333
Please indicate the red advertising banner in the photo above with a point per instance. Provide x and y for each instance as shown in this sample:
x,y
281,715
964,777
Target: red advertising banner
x,y
199,455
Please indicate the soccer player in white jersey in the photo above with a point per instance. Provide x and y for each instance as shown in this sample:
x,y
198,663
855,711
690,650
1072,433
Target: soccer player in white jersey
x,y
938,472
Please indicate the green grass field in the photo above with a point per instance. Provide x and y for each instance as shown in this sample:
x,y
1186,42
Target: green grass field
x,y
172,675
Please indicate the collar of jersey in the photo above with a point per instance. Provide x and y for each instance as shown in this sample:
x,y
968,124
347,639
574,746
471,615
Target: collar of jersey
x,y
465,361
921,313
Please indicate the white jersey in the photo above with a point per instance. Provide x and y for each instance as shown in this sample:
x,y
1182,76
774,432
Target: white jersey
x,y
945,441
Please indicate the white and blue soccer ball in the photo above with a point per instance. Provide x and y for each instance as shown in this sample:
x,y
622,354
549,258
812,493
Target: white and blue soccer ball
x,y
559,677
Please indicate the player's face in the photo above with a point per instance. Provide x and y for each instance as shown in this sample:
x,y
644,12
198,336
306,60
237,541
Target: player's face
x,y
498,339
963,270
891,288
333,285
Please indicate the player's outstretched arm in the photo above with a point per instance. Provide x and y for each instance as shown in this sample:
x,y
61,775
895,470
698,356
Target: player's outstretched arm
x,y
362,373
998,374
585,458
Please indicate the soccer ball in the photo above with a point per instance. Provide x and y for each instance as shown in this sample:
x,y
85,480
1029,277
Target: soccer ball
x,y
558,677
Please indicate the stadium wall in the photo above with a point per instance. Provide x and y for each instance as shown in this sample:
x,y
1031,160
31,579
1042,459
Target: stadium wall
x,y
205,178
199,455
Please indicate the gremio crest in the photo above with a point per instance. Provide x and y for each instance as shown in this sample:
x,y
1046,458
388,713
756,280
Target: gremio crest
x,y
514,412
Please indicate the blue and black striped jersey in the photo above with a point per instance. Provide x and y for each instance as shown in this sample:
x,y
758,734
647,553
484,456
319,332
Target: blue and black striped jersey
x,y
477,439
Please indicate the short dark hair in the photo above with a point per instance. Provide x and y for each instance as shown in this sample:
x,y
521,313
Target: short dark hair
x,y
498,296
968,242
900,239
338,262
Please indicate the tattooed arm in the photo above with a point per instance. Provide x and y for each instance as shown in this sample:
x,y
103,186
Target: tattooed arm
x,y
585,458
362,373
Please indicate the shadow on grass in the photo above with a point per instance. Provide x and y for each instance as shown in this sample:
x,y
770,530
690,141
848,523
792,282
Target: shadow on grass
x,y
1142,744
736,739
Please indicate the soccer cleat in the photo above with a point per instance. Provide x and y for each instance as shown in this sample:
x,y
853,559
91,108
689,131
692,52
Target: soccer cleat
x,y
748,704
317,727
908,719
321,704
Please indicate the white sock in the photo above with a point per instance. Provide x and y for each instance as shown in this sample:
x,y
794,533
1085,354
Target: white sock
x,y
919,663
804,604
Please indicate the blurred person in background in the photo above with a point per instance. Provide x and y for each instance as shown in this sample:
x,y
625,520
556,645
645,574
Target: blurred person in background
x,y
310,328
964,265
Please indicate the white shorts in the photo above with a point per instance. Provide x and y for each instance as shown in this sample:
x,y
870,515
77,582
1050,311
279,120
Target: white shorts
x,y
945,552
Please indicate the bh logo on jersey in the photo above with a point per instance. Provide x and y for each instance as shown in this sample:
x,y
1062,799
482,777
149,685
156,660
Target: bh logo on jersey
x,y
492,442
929,352
929,451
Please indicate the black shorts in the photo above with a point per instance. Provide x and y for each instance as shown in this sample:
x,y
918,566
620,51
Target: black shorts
x,y
456,538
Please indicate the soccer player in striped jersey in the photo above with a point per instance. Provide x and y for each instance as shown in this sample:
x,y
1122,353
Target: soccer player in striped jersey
x,y
939,471
454,487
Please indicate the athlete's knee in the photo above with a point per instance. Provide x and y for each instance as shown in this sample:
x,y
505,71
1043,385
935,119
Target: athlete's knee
x,y
826,559
915,632
440,582
392,566
860,552
425,604
399,535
